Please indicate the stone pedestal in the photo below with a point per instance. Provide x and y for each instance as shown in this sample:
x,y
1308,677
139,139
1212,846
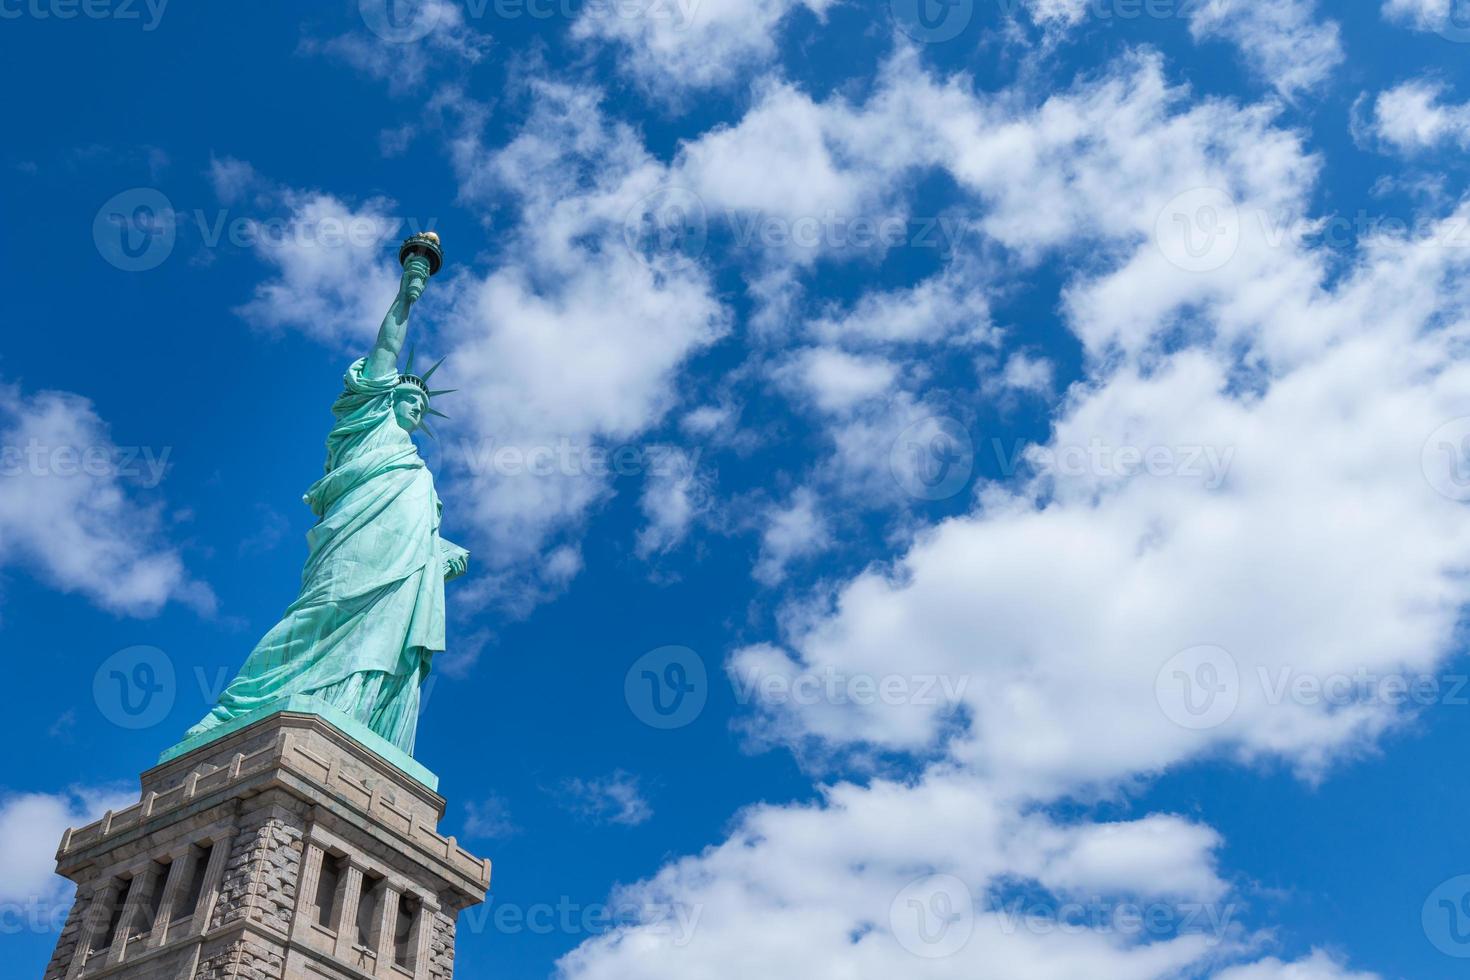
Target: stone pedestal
x,y
282,851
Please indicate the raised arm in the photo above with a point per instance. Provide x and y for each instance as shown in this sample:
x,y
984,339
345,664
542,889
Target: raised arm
x,y
383,361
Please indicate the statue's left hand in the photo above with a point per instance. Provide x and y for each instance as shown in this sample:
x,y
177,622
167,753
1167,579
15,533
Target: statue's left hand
x,y
456,561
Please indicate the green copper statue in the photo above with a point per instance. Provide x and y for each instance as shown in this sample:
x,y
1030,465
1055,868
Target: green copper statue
x,y
370,616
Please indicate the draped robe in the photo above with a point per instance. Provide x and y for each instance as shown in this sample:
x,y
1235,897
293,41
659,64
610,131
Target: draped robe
x,y
370,615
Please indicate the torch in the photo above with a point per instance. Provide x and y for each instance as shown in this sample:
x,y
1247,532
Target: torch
x,y
424,245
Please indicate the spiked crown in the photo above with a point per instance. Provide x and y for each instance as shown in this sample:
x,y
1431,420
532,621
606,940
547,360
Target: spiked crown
x,y
407,377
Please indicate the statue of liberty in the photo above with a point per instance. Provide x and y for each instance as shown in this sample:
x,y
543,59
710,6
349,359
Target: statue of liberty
x,y
370,615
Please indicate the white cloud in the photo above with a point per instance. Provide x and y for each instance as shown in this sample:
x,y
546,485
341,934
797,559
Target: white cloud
x,y
1102,164
863,466
489,819
615,799
835,889
1281,40
573,308
1172,545
1428,15
578,337
231,178
1413,117
951,306
1023,372
708,419
31,825
672,499
797,180
679,45
793,531
437,38
1291,523
836,380
1318,966
1058,14
334,274
75,507
1032,636
780,178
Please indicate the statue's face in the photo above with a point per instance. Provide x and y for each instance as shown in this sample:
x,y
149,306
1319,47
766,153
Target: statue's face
x,y
408,408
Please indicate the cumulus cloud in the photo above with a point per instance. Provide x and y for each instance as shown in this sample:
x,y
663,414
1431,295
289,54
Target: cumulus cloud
x,y
1414,117
1318,966
1053,642
334,272
951,306
679,45
1057,14
575,307
791,531
836,380
796,180
876,881
31,825
81,512
1023,372
1158,528
675,493
1440,16
1240,483
1282,41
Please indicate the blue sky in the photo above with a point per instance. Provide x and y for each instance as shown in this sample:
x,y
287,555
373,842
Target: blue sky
x,y
1029,435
